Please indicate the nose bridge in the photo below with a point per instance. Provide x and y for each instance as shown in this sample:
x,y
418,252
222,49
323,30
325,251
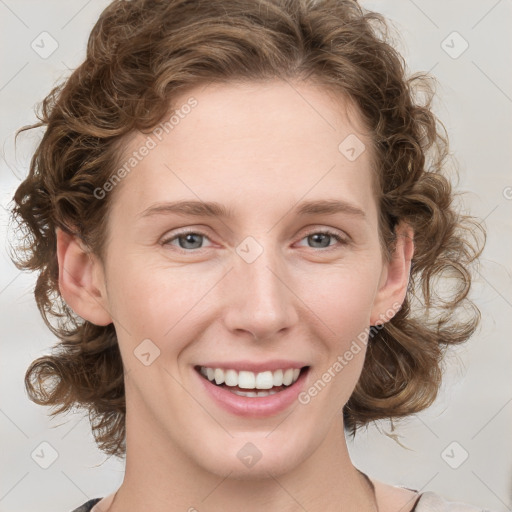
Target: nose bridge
x,y
259,299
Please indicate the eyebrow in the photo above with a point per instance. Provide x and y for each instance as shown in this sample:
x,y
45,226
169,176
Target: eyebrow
x,y
214,209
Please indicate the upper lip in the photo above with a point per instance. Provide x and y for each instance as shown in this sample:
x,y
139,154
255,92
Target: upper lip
x,y
252,366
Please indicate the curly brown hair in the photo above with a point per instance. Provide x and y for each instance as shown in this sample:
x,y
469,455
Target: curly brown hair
x,y
141,54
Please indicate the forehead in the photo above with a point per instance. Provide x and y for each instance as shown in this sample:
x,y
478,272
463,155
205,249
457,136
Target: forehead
x,y
274,140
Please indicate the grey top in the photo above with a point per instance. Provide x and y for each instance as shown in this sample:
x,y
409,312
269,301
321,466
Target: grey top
x,y
427,502
430,501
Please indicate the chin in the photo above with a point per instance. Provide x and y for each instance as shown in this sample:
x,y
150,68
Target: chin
x,y
250,458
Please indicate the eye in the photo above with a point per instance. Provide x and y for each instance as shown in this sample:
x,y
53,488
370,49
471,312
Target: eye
x,y
190,240
187,240
321,239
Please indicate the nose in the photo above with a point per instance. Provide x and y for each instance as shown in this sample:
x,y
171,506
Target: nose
x,y
259,297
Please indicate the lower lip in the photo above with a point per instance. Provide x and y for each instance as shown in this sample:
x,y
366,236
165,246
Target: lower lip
x,y
258,406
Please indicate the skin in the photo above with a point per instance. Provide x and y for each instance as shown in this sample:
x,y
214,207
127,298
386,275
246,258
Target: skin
x,y
258,149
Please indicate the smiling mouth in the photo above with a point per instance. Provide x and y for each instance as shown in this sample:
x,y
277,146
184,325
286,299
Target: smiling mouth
x,y
252,385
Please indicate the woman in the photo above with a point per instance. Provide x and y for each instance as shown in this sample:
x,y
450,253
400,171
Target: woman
x,y
239,214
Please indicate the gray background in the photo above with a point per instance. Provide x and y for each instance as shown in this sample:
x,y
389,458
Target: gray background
x,y
471,417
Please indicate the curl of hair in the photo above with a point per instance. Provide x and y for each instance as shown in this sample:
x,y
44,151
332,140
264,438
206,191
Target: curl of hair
x,y
140,55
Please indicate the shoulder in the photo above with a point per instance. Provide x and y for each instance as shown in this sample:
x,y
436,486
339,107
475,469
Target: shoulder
x,y
392,498
87,506
433,502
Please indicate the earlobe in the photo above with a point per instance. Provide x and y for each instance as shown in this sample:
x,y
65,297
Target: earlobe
x,y
396,272
79,280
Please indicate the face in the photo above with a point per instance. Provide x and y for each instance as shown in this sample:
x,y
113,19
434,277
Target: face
x,y
266,283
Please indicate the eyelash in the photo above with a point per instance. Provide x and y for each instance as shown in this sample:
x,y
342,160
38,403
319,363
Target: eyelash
x,y
341,240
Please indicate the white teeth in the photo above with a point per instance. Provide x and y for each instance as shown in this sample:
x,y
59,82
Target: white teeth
x,y
219,376
250,380
252,394
287,377
278,378
246,380
231,378
264,380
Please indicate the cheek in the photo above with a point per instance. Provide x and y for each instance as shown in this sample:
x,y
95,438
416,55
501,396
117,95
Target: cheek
x,y
156,301
150,301
343,306
342,297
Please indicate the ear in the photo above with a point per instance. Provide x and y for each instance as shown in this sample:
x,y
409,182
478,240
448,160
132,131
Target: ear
x,y
394,277
81,279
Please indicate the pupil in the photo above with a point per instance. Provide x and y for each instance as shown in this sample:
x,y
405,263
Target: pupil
x,y
318,236
189,238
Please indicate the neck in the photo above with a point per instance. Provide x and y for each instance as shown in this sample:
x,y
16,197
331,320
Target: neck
x,y
161,478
